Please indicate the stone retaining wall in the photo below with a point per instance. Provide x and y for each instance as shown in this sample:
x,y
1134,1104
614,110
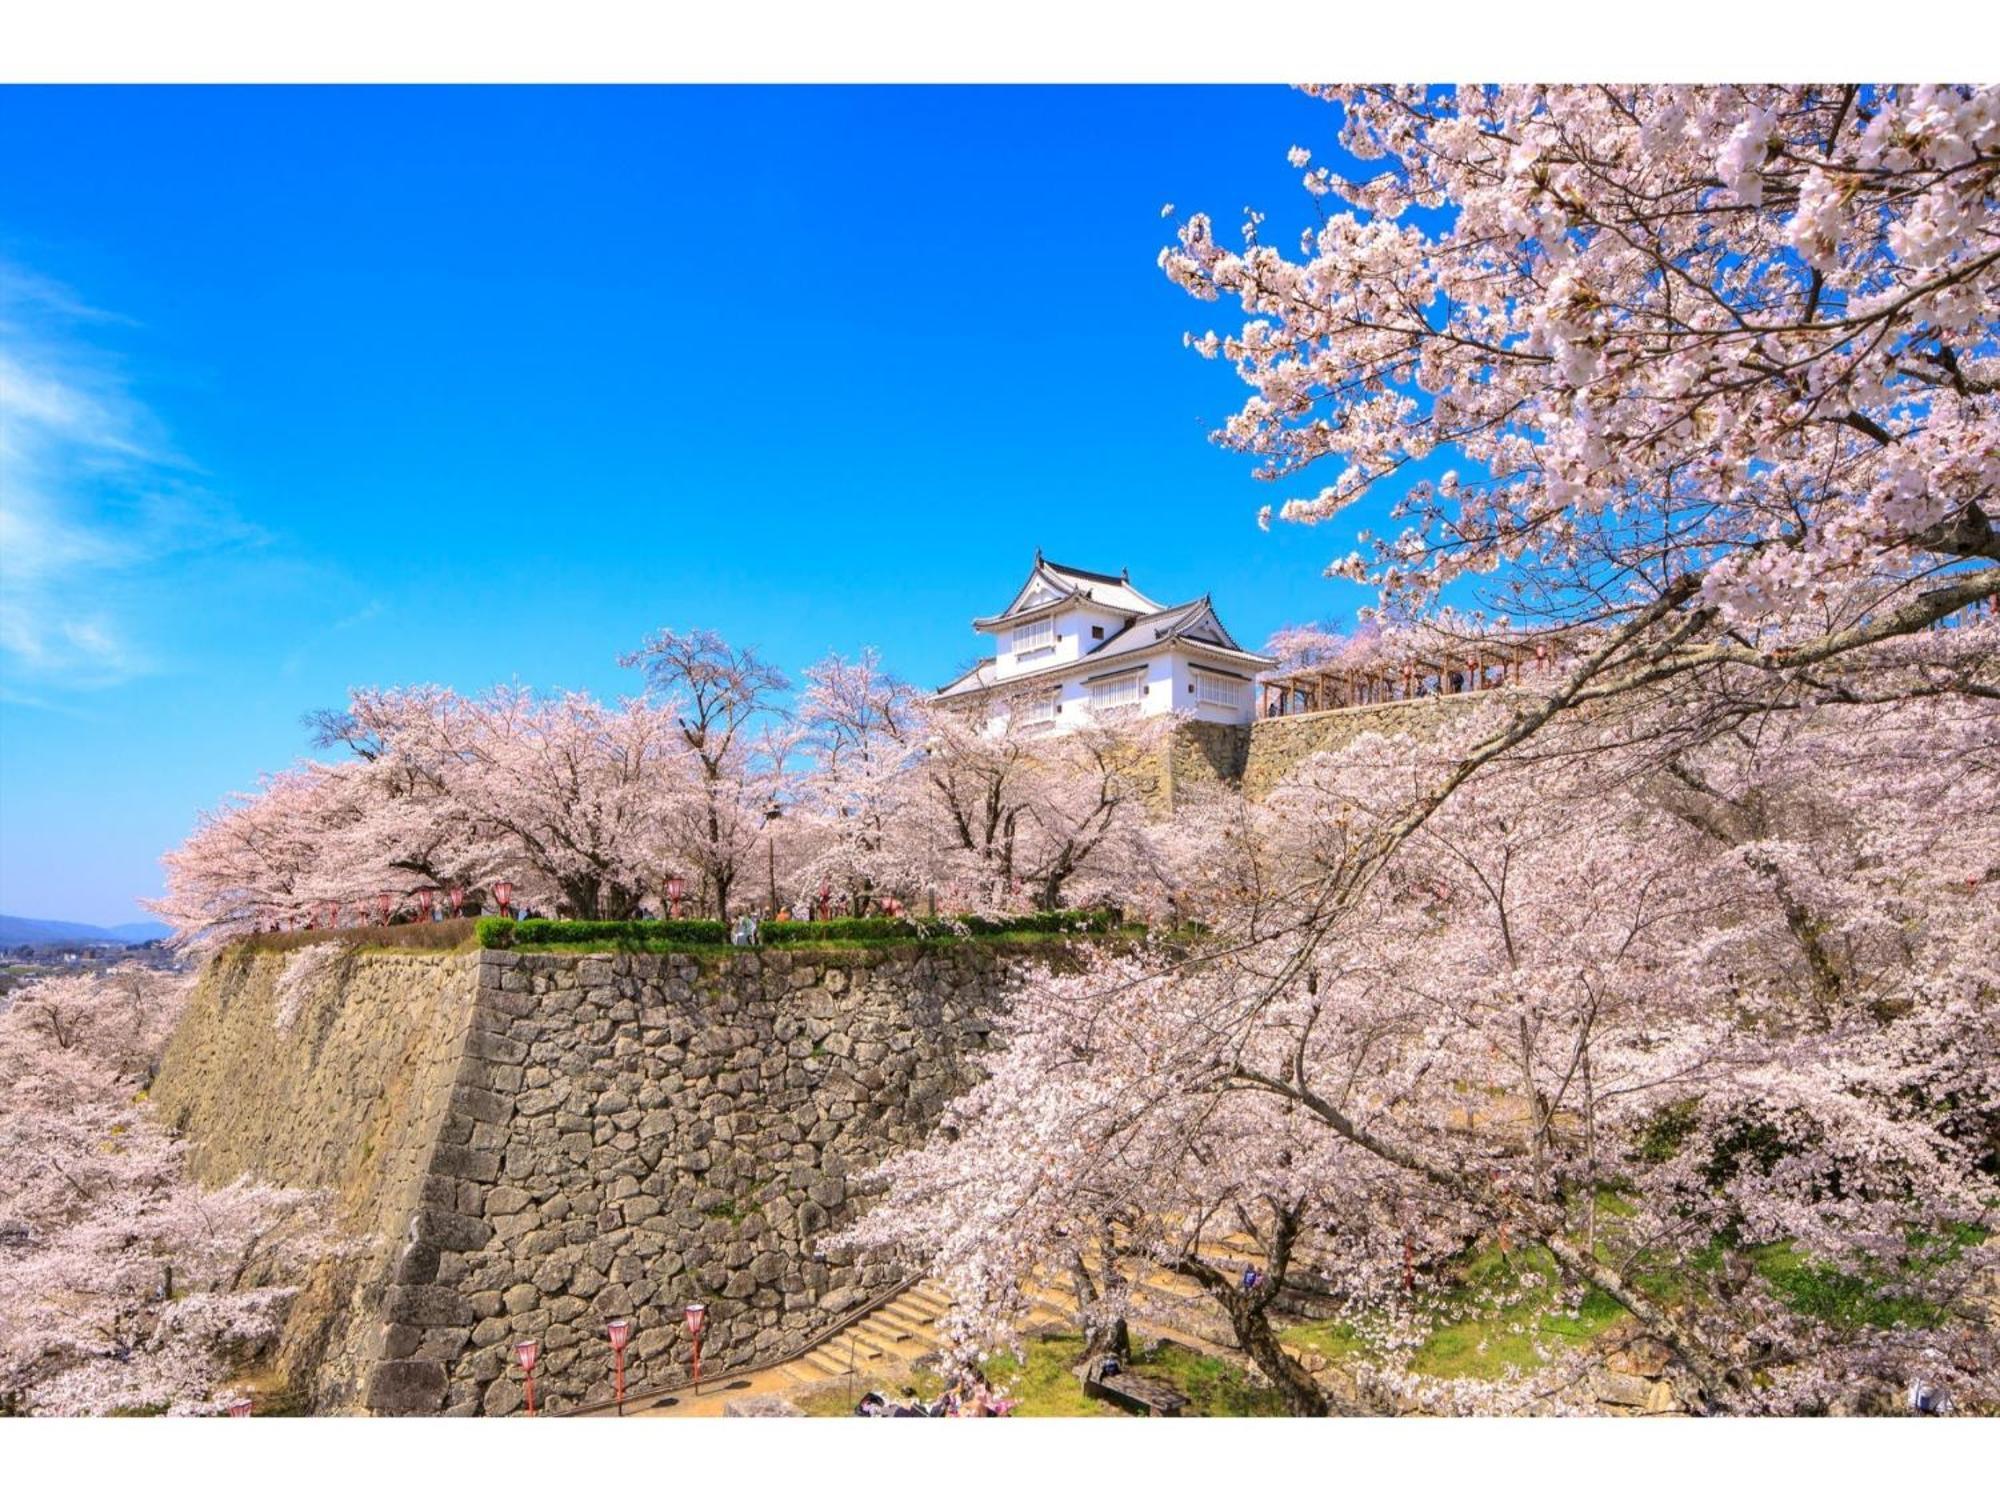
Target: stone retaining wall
x,y
344,1090
1275,746
538,1142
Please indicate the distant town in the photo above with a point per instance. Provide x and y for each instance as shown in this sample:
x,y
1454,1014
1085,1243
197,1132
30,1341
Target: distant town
x,y
33,948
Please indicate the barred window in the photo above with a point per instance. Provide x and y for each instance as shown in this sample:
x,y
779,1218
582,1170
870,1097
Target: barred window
x,y
1219,691
1034,637
1114,693
1040,708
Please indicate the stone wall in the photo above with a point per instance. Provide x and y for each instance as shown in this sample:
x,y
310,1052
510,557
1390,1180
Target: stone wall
x,y
1275,746
342,1089
543,1141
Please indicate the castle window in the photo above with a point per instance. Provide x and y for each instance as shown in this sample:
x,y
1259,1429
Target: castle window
x,y
1039,709
1034,638
1115,694
1217,691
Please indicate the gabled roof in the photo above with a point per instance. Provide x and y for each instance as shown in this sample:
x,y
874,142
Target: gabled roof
x,y
1194,624
1049,584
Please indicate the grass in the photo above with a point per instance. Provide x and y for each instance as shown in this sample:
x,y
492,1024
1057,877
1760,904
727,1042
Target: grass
x,y
1488,1324
1838,1297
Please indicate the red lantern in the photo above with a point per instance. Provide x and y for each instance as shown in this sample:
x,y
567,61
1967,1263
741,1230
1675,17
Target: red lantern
x,y
697,1319
676,888
383,901
503,892
426,899
457,898
619,1331
526,1352
241,1406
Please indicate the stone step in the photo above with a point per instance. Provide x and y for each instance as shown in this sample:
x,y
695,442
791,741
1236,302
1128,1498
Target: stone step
x,y
822,1363
878,1330
898,1316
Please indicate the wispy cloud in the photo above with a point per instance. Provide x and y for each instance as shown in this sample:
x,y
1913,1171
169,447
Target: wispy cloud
x,y
92,495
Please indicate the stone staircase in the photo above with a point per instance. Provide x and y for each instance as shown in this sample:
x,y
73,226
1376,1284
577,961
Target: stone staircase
x,y
899,1332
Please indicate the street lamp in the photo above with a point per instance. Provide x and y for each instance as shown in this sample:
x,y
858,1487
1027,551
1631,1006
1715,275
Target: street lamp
x,y
241,1406
526,1352
503,892
456,895
771,815
676,888
931,748
618,1330
383,900
426,900
697,1319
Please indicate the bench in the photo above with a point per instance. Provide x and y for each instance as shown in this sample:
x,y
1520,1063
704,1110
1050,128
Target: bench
x,y
1146,1394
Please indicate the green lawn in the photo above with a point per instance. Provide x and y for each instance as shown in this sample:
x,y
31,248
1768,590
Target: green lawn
x,y
1486,1325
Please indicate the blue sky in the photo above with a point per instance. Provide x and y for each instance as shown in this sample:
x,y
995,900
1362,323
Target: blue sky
x,y
318,387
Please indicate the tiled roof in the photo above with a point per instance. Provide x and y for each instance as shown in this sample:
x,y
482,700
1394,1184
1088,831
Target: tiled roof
x,y
1181,622
1113,594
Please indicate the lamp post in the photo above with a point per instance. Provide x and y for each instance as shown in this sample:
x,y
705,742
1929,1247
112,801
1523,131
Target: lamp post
x,y
383,900
503,892
931,747
241,1406
527,1351
771,815
618,1330
676,889
456,895
697,1319
426,900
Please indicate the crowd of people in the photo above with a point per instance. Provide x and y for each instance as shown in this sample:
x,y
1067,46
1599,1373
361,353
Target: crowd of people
x,y
970,1397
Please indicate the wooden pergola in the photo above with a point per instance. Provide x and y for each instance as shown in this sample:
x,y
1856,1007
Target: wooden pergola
x,y
1439,671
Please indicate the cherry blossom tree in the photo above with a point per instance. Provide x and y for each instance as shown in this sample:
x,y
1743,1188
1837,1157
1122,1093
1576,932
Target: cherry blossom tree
x,y
1711,367
1663,995
1012,811
722,693
1701,351
864,735
123,1286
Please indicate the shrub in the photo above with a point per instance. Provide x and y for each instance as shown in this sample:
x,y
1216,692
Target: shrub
x,y
505,932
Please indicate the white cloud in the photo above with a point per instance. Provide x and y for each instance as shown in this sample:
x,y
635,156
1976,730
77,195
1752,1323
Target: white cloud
x,y
92,496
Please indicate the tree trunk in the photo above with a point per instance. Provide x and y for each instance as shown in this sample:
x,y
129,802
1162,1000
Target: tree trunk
x,y
1300,1393
1711,1378
1101,1336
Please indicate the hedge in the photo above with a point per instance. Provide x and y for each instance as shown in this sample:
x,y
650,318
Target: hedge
x,y
505,932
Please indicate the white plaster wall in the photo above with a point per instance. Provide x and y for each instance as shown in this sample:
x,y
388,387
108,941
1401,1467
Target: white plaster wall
x,y
1074,642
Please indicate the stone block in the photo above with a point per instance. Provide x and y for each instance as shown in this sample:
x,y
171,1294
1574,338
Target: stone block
x,y
406,1387
427,1307
452,1231
481,1104
417,1265
462,1161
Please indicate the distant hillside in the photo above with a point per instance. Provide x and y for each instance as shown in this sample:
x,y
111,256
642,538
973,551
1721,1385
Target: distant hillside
x,y
17,930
